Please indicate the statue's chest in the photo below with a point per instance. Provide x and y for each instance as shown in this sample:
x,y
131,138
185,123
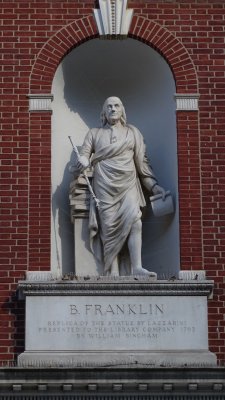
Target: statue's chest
x,y
106,137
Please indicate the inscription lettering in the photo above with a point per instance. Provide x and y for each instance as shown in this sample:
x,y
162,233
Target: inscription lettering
x,y
122,309
110,323
73,309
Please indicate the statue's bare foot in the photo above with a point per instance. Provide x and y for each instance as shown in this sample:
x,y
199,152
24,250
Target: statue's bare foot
x,y
145,272
114,269
112,273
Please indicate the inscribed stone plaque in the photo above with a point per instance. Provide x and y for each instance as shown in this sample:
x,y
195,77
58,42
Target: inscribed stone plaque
x,y
76,323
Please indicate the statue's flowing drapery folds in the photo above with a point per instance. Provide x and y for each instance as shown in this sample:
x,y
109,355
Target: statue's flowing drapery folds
x,y
120,163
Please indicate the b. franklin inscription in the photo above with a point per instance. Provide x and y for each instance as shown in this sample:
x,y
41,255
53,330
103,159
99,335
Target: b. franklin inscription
x,y
108,323
117,309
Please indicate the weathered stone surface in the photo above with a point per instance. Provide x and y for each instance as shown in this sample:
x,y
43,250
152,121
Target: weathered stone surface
x,y
121,322
209,381
113,323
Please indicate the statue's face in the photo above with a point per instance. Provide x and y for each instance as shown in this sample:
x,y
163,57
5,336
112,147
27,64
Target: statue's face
x,y
113,109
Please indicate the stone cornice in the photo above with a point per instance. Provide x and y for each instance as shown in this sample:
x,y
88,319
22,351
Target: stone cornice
x,y
40,102
59,381
187,101
116,286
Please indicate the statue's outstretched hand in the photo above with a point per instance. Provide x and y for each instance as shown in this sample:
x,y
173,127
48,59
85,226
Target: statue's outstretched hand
x,y
82,163
159,190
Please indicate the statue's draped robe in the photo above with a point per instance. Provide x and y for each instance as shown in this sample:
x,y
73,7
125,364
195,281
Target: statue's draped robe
x,y
118,169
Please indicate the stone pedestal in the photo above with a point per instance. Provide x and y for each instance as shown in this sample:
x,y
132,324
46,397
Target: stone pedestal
x,y
113,322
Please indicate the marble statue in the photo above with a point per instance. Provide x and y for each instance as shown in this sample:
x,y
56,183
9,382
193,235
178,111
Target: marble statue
x,y
116,151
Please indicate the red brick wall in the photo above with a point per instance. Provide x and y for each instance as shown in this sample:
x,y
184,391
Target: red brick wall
x,y
36,35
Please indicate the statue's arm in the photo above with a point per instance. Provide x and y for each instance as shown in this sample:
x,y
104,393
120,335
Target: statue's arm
x,y
148,183
85,153
152,186
144,168
149,180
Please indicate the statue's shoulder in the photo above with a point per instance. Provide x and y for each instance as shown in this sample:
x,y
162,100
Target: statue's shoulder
x,y
94,131
134,129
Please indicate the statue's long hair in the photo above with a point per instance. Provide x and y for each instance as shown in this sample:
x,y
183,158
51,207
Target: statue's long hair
x,y
123,118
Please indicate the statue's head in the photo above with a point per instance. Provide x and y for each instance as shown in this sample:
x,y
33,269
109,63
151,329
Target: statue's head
x,y
113,111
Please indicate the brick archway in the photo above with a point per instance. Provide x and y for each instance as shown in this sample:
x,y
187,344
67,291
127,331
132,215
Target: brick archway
x,y
185,77
142,29
57,47
170,48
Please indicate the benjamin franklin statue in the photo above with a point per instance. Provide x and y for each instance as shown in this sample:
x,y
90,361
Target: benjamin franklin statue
x,y
116,152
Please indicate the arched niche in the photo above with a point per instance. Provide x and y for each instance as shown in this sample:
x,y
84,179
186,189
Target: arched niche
x,y
143,80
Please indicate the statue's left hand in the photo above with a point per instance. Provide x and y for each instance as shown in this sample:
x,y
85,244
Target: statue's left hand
x,y
159,190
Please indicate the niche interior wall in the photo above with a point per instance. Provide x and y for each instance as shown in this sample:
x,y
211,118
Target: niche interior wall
x,y
144,82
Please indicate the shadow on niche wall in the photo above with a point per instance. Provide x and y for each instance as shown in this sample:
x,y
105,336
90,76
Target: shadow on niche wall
x,y
62,226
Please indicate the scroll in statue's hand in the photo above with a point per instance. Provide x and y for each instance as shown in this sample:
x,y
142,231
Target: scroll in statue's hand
x,y
82,163
159,190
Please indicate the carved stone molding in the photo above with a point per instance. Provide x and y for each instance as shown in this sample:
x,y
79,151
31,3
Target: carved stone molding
x,y
119,286
151,384
40,102
113,18
187,102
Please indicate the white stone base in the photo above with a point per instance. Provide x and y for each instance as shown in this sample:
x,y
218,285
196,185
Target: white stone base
x,y
117,359
115,323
